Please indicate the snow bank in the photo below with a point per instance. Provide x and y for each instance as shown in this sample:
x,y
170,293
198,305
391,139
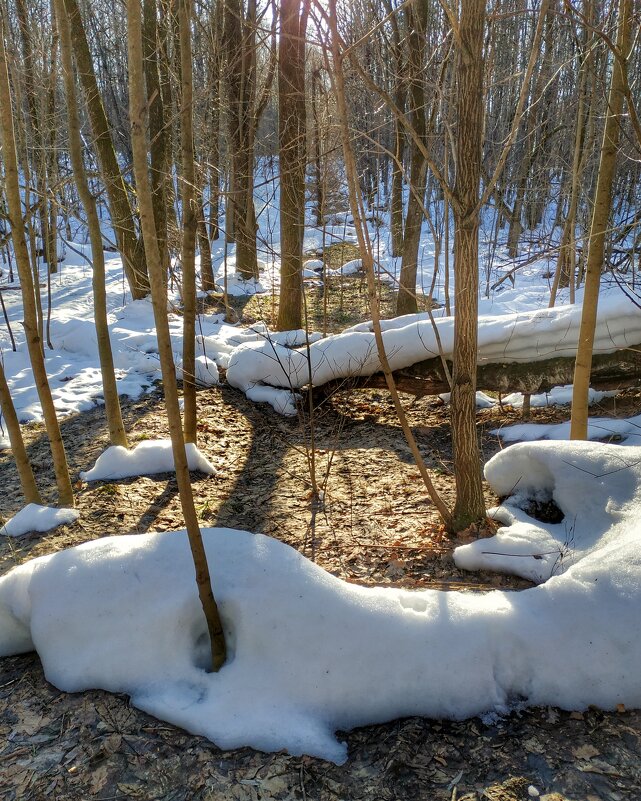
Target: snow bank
x,y
34,517
310,654
523,337
146,459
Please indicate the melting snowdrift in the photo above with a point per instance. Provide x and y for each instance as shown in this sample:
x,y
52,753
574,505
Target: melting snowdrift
x,y
148,458
310,654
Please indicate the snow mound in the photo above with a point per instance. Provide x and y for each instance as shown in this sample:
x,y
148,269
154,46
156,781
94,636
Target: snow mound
x,y
599,428
349,268
594,492
34,517
146,459
206,373
557,396
310,654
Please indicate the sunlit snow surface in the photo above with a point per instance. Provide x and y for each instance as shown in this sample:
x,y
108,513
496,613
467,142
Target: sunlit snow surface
x,y
522,337
513,326
34,517
145,459
627,431
311,654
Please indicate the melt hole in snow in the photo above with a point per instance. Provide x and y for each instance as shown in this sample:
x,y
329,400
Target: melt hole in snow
x,y
414,603
201,654
546,511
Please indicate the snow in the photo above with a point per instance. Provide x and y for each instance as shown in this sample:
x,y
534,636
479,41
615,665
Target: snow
x,y
627,431
311,654
146,459
512,324
206,374
557,396
34,517
349,268
522,337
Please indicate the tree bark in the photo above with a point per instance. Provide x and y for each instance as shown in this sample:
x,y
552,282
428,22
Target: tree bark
x,y
190,222
34,343
599,226
292,157
158,139
138,118
117,434
470,505
240,55
129,245
417,25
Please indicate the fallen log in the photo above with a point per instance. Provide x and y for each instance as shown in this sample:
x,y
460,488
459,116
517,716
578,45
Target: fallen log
x,y
610,371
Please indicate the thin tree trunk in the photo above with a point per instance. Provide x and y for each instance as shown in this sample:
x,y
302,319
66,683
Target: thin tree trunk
x,y
34,343
239,53
117,434
417,24
27,480
160,161
356,205
599,227
190,223
121,212
138,117
207,278
292,148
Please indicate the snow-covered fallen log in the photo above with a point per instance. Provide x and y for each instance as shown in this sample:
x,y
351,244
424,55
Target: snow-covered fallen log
x,y
310,654
538,346
609,371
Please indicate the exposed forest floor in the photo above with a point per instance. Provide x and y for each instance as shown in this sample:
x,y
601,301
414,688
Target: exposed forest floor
x,y
376,527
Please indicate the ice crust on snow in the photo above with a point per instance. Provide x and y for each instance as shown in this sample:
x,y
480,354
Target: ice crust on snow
x,y
145,459
34,517
310,654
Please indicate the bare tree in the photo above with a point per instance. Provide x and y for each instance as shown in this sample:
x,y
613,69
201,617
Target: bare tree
x,y
138,118
599,227
468,36
117,434
122,214
34,342
292,158
190,220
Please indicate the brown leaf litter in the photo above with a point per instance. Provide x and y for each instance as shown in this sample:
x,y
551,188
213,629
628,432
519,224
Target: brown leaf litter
x,y
373,525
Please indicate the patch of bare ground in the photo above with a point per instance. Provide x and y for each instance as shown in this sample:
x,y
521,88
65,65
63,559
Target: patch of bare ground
x,y
376,526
